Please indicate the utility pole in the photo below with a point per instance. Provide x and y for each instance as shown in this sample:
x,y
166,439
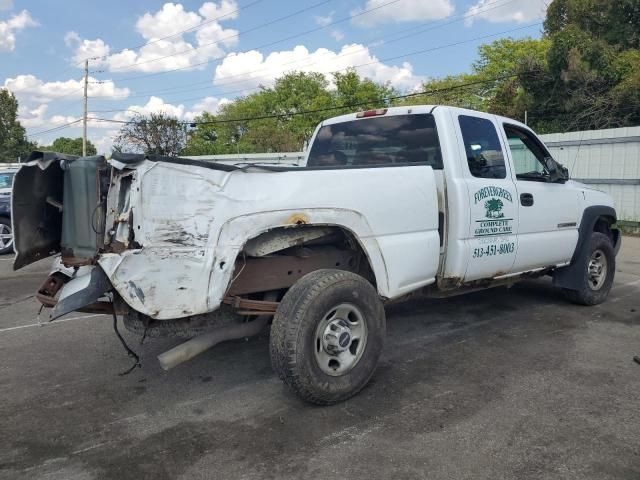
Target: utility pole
x,y
526,118
84,115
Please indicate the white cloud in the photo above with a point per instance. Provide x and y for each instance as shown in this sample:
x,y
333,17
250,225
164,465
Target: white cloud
x,y
154,105
31,88
9,27
207,104
205,39
158,105
337,35
402,11
171,18
324,21
518,11
86,48
104,143
36,118
250,69
227,9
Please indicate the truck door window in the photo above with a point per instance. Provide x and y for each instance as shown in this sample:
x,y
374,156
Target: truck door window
x,y
484,153
378,141
527,153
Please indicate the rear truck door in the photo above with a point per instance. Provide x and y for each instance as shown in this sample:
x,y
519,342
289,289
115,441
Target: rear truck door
x,y
57,206
548,212
490,242
37,207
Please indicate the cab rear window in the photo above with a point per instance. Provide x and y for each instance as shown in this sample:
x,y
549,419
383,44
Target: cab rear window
x,y
378,141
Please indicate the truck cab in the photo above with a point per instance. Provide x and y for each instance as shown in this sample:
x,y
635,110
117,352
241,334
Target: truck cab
x,y
413,200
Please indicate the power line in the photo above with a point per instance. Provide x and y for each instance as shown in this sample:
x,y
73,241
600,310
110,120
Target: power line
x,y
170,91
55,75
291,37
340,107
417,52
195,27
59,127
263,25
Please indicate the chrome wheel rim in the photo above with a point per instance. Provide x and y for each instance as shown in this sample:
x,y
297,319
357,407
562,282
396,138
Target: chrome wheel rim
x,y
597,270
6,236
340,339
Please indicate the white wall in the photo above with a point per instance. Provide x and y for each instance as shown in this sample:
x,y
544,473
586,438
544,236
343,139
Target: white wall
x,y
608,159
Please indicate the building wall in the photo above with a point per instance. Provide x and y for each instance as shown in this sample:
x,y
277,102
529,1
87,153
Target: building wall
x,y
608,159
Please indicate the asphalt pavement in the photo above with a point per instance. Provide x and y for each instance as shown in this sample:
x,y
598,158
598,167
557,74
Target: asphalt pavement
x,y
500,384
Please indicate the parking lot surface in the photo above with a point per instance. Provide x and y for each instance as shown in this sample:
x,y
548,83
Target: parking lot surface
x,y
500,384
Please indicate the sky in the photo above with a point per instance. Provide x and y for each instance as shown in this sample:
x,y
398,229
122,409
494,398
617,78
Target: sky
x,y
187,57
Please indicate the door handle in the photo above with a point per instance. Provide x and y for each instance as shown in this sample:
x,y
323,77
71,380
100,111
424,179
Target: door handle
x,y
526,199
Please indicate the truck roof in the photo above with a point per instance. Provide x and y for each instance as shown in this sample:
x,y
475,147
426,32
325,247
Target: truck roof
x,y
416,109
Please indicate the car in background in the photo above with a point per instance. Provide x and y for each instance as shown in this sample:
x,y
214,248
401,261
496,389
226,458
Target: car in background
x,y
6,234
7,172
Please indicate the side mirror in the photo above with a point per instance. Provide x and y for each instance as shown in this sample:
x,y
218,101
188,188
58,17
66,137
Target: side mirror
x,y
557,172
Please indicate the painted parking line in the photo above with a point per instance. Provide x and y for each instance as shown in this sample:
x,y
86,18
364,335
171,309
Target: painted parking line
x,y
48,324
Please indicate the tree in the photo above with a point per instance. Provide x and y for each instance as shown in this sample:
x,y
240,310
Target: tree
x,y
157,133
287,128
71,146
13,139
494,207
592,74
493,84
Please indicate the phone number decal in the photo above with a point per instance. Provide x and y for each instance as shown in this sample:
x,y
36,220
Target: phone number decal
x,y
491,250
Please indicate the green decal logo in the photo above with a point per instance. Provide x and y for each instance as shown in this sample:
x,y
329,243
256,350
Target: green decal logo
x,y
494,208
494,222
492,191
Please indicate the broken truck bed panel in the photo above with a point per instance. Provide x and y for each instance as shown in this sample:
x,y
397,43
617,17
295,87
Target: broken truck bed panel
x,y
193,222
36,213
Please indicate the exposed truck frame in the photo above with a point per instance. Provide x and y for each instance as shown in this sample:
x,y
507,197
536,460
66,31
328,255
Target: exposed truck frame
x,y
197,249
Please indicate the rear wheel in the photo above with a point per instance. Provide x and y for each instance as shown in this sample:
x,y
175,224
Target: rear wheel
x,y
6,236
598,272
327,336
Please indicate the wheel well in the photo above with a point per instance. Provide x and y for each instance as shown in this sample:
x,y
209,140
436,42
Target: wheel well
x,y
277,258
603,225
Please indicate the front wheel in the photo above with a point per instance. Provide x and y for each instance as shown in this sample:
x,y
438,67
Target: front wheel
x,y
327,336
597,272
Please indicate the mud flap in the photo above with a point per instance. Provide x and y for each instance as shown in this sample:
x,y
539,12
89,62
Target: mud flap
x,y
81,291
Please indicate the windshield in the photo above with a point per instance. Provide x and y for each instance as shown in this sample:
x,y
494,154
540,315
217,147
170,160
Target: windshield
x,y
392,140
6,179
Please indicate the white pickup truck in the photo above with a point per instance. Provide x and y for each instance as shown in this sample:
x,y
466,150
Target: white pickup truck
x,y
427,200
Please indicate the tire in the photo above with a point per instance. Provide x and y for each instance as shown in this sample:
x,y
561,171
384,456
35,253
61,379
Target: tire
x,y
309,336
594,287
6,236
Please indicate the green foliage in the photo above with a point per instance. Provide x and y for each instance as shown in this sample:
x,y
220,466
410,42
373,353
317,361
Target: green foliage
x,y
71,146
479,90
292,93
13,139
592,75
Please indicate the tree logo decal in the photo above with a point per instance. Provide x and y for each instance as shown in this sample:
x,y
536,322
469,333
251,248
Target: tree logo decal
x,y
493,207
